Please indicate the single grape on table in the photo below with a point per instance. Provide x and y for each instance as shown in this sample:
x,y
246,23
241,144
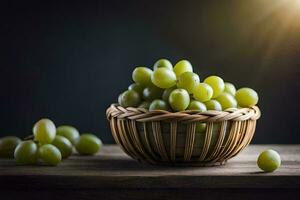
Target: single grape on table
x,y
88,144
269,160
8,145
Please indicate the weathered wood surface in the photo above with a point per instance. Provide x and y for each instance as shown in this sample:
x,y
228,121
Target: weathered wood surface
x,y
112,169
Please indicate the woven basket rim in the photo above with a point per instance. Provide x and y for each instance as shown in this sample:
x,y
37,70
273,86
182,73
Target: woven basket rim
x,y
144,115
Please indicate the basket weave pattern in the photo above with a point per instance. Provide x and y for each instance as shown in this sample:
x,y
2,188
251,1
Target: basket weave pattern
x,y
155,137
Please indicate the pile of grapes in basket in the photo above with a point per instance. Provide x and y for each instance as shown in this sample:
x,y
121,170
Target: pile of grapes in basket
x,y
178,88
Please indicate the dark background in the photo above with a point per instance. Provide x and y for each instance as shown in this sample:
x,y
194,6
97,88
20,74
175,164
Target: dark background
x,y
68,62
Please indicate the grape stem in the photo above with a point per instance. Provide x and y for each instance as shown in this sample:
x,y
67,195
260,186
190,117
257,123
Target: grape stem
x,y
29,137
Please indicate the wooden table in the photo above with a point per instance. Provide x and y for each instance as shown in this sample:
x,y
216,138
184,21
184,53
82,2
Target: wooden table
x,y
113,175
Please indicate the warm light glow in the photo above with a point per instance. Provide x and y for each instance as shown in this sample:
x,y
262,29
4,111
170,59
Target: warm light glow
x,y
295,3
286,8
281,19
293,7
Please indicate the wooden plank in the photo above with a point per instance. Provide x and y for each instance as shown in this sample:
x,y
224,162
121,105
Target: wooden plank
x,y
174,194
113,169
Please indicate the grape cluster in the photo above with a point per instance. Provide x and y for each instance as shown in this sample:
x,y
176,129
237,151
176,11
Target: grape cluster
x,y
48,145
178,88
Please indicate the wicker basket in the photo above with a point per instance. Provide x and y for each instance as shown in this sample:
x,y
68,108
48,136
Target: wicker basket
x,y
162,137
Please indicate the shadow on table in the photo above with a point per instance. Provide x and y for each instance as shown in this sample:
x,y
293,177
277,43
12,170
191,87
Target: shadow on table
x,y
128,164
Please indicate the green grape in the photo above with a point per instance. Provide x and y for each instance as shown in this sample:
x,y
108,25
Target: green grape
x,y
152,92
246,97
217,85
227,101
69,132
130,98
200,127
196,105
188,81
163,63
145,104
88,144
163,78
44,131
179,99
64,145
269,160
166,93
136,87
8,145
182,66
203,92
26,153
158,104
142,75
213,105
229,88
49,154
120,98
